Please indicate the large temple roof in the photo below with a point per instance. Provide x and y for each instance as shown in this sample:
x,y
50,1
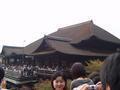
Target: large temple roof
x,y
80,39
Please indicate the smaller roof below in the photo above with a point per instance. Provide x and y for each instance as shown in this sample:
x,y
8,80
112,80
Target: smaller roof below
x,y
9,50
67,48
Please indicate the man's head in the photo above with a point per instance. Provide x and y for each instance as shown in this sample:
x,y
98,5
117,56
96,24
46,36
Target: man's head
x,y
78,70
110,72
2,73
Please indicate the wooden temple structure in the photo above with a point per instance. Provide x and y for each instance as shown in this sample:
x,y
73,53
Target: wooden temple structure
x,y
77,42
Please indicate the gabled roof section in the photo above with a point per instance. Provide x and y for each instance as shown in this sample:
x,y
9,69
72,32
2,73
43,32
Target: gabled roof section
x,y
68,37
63,45
64,39
104,35
9,50
89,29
40,44
44,46
75,32
67,48
33,46
70,32
94,43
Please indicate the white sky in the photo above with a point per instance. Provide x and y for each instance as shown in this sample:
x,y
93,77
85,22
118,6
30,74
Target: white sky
x,y
25,21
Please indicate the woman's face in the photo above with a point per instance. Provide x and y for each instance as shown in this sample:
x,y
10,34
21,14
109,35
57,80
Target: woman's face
x,y
59,83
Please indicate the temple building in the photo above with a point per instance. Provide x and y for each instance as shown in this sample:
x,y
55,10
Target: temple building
x,y
79,42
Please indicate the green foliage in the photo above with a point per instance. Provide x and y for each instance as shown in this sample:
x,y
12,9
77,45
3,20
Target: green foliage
x,y
93,65
45,85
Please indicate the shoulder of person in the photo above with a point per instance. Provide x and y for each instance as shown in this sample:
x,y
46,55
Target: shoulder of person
x,y
82,87
73,81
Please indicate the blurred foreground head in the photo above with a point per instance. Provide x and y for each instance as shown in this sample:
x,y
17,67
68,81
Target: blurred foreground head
x,y
110,72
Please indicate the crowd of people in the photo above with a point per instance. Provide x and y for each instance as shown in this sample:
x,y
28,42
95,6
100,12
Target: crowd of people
x,y
107,79
27,70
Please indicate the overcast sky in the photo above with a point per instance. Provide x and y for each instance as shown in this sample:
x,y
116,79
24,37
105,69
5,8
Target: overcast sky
x,y
25,21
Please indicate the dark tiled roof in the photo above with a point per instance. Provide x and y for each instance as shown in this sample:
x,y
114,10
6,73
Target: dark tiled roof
x,y
67,48
8,50
104,35
83,31
75,32
63,33
33,46
65,38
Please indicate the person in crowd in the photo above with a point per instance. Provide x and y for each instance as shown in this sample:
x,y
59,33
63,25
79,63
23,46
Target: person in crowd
x,y
2,83
59,81
109,74
95,76
79,75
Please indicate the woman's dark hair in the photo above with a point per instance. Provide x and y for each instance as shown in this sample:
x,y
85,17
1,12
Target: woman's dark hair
x,y
2,73
57,74
78,70
110,72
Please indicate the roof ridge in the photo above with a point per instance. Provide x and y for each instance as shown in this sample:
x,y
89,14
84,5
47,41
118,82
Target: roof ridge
x,y
78,24
11,46
58,38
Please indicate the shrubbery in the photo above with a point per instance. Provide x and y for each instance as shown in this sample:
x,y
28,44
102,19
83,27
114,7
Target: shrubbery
x,y
93,65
